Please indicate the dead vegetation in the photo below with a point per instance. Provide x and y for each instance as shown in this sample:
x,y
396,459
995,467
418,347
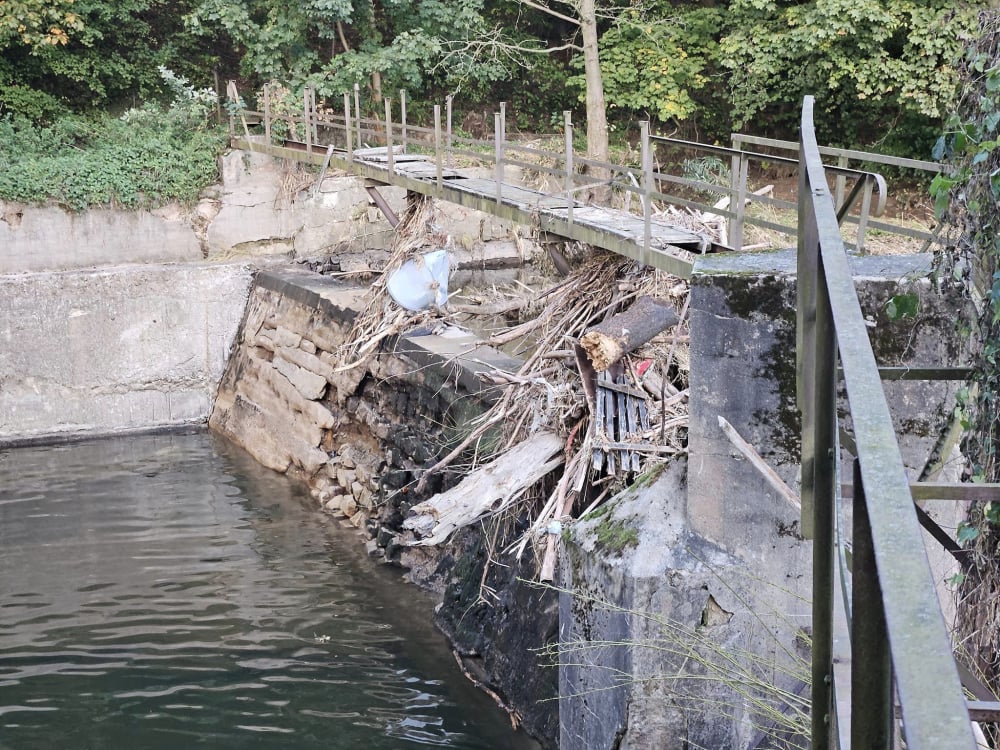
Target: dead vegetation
x,y
602,426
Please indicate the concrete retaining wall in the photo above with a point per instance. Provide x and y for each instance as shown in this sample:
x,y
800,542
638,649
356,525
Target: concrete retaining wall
x,y
123,348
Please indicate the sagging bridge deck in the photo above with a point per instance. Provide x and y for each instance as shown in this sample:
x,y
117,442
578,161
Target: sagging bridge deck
x,y
670,248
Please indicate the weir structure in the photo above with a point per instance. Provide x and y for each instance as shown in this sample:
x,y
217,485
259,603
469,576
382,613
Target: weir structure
x,y
883,664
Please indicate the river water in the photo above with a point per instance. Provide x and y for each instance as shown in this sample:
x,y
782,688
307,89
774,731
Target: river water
x,y
166,591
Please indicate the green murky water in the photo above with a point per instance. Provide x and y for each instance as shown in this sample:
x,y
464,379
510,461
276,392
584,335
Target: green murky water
x,y
166,592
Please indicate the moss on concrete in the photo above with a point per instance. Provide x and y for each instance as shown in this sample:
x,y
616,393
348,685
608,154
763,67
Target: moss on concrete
x,y
615,536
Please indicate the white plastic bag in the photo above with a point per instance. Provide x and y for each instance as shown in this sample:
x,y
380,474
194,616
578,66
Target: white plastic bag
x,y
419,283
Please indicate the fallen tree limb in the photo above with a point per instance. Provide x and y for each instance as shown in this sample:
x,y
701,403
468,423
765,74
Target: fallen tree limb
x,y
609,341
488,489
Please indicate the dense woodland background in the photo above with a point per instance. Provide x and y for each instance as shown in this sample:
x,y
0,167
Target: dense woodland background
x,y
883,71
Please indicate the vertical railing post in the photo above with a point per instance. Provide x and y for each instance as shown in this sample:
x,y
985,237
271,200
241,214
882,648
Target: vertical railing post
x,y
437,149
824,497
388,135
357,114
734,185
866,207
447,142
233,97
498,154
267,114
305,120
402,117
646,156
740,200
503,122
814,383
568,131
871,677
840,183
314,115
347,127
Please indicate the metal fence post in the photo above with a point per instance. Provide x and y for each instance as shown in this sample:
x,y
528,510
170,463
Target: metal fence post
x,y
448,128
503,122
734,186
824,494
437,148
314,115
305,121
497,154
840,183
736,236
388,135
866,207
267,114
347,127
568,131
871,679
402,117
357,114
647,185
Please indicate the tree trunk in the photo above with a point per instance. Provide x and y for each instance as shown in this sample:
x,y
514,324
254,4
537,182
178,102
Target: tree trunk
x,y
611,340
597,120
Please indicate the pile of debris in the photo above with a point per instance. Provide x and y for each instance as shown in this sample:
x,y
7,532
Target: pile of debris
x,y
601,394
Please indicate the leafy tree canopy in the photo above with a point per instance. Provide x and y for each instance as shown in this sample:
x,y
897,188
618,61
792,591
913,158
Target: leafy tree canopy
x,y
874,60
36,22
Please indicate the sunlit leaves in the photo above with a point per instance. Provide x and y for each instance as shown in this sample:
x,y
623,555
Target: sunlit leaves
x,y
37,22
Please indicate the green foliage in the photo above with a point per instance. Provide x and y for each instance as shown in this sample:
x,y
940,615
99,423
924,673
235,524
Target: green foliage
x,y
967,200
145,158
860,58
34,23
902,306
652,64
708,169
109,61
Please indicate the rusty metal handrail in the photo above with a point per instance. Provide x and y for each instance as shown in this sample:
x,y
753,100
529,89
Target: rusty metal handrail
x,y
898,634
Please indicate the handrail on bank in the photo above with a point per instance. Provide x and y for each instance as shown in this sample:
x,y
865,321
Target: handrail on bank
x,y
897,636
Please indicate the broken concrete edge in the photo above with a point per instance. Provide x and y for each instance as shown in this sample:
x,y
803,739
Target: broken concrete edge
x,y
465,355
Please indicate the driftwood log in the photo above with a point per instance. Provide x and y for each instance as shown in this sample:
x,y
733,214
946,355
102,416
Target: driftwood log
x,y
611,340
488,489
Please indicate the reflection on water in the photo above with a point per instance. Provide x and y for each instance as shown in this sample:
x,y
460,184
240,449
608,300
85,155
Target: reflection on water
x,y
165,591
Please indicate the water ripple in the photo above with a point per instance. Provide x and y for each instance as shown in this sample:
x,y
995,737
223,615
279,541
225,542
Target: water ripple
x,y
169,579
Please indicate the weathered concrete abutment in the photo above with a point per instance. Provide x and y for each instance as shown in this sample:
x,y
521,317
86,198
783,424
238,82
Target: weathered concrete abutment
x,y
115,349
687,597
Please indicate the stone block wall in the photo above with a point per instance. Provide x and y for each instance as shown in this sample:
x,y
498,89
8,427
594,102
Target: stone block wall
x,y
357,435
360,437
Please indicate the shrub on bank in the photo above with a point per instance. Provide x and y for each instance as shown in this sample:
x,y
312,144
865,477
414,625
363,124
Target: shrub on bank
x,y
145,158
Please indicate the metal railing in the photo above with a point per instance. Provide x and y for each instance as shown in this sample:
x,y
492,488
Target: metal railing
x,y
844,157
897,640
348,130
